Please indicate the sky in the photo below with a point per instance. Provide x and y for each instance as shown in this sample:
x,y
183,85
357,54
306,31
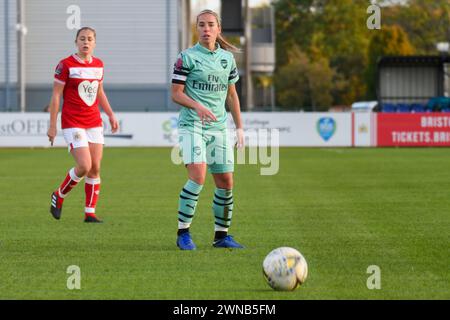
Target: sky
x,y
258,2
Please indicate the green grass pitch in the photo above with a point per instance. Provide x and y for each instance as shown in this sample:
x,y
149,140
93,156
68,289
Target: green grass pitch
x,y
344,209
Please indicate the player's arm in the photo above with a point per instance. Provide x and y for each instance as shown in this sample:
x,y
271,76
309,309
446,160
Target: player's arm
x,y
235,109
58,88
104,104
180,97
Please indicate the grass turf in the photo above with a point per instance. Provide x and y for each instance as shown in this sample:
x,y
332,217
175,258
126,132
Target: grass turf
x,y
344,209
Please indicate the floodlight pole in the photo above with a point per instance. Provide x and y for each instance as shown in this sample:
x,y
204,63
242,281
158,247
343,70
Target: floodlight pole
x,y
21,33
248,56
7,62
185,32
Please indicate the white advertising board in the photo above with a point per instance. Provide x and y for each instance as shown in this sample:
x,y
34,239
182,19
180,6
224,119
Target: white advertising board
x,y
160,129
363,129
136,129
303,129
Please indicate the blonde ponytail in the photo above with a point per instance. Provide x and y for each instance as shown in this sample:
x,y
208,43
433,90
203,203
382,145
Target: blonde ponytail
x,y
224,44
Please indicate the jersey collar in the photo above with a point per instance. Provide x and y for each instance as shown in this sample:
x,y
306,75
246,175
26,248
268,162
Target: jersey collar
x,y
76,57
202,49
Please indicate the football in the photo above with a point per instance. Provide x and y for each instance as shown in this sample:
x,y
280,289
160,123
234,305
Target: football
x,y
285,269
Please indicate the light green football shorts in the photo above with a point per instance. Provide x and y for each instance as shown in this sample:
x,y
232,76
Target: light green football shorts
x,y
212,146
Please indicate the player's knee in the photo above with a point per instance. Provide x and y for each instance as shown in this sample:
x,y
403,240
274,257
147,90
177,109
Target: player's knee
x,y
83,169
228,185
197,174
198,179
95,169
225,183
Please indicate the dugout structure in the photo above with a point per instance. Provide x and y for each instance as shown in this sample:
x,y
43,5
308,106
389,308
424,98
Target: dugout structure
x,y
408,83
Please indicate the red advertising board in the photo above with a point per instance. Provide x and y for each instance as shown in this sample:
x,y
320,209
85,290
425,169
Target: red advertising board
x,y
413,129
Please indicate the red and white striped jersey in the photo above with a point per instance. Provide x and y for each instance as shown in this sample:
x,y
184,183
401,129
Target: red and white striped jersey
x,y
81,80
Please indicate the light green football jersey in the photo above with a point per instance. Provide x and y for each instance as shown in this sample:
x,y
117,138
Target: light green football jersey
x,y
206,75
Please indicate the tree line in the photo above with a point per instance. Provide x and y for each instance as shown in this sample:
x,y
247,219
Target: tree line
x,y
327,56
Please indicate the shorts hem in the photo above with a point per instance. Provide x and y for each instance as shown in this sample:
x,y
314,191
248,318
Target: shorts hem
x,y
225,170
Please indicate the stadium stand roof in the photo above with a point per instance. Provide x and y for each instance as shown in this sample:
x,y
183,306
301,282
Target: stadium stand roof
x,y
413,60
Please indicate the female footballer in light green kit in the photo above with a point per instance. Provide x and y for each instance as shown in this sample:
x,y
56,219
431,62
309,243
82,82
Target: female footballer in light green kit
x,y
203,80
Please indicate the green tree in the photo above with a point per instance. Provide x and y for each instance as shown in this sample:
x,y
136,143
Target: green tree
x,y
390,40
345,44
304,84
295,24
336,30
425,22
332,29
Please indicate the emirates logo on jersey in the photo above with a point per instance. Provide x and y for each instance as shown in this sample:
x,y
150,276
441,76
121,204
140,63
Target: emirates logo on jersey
x,y
88,91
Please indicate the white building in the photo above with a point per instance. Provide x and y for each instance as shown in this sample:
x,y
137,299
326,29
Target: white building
x,y
138,41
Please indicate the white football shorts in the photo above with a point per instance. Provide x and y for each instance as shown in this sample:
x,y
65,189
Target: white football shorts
x,y
79,137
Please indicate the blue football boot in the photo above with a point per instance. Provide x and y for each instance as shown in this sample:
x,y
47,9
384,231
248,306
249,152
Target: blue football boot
x,y
184,242
227,242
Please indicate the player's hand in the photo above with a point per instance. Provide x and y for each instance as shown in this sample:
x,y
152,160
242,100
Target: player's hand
x,y
114,123
51,134
240,141
205,114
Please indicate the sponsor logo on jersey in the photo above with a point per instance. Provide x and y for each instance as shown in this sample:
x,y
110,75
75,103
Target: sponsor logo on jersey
x,y
86,73
212,85
88,91
207,86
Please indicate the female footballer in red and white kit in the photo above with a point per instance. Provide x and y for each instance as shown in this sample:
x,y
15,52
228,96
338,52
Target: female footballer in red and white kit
x,y
79,81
